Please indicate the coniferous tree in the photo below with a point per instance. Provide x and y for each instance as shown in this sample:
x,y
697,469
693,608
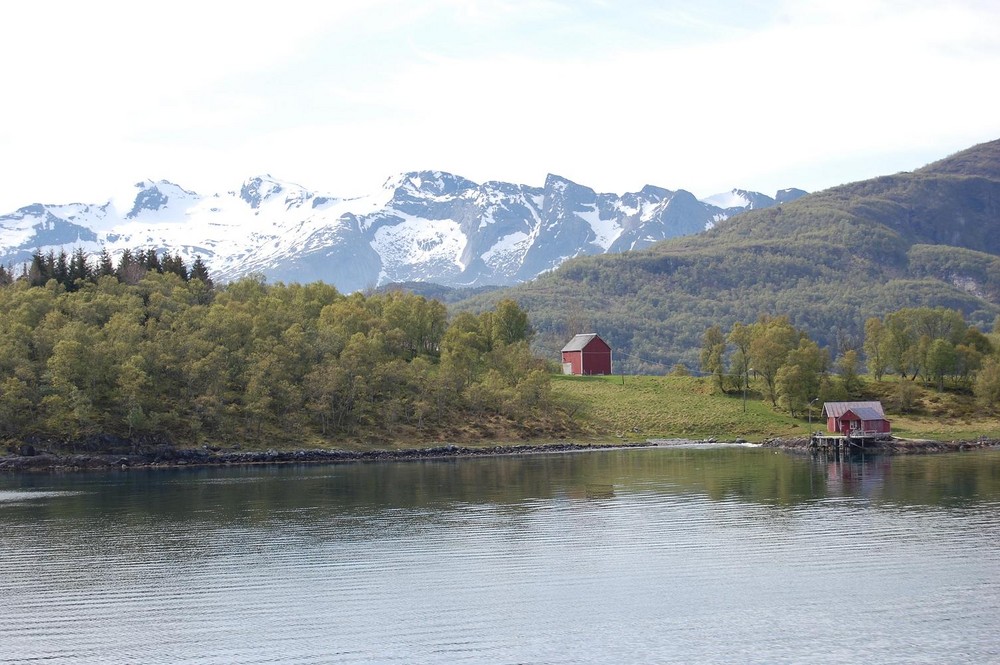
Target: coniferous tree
x,y
50,266
150,260
175,264
105,265
124,261
130,267
61,272
38,272
200,272
79,269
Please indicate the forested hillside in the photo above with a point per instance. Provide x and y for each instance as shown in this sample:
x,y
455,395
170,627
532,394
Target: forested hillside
x,y
828,261
163,359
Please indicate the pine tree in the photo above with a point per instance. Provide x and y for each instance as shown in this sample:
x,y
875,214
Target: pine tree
x,y
38,272
130,269
50,266
62,269
175,264
105,266
200,271
79,269
150,260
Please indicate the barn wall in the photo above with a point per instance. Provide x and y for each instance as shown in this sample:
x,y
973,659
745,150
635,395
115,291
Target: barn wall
x,y
575,360
596,362
597,357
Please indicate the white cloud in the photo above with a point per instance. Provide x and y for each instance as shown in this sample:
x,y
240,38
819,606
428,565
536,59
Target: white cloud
x,y
339,96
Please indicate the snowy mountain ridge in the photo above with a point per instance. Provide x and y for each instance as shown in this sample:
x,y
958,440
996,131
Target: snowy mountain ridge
x,y
420,226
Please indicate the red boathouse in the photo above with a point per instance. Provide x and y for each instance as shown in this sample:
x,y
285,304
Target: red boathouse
x,y
586,354
856,418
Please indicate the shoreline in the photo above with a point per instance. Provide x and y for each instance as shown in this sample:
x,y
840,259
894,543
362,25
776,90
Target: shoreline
x,y
171,458
892,446
183,458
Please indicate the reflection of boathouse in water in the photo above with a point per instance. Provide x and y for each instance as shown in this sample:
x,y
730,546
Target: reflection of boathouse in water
x,y
849,475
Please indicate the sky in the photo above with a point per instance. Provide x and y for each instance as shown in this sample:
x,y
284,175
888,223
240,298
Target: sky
x,y
702,95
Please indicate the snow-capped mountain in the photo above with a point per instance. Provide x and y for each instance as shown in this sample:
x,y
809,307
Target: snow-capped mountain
x,y
421,226
738,200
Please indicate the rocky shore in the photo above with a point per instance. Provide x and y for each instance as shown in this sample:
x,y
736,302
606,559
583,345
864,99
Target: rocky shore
x,y
163,456
894,445
26,458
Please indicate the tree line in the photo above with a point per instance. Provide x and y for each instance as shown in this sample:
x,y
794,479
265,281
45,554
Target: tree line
x,y
158,357
934,345
71,271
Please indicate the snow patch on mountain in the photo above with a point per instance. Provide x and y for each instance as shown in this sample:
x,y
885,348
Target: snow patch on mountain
x,y
606,231
422,225
414,242
734,198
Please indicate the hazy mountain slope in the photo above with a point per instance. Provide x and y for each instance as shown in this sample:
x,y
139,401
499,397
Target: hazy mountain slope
x,y
828,260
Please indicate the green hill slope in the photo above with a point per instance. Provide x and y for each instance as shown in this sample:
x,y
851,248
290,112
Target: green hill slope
x,y
828,260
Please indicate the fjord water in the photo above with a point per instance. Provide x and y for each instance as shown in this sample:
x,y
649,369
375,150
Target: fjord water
x,y
666,555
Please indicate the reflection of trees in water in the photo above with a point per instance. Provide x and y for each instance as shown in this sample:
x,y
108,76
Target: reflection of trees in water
x,y
927,480
404,495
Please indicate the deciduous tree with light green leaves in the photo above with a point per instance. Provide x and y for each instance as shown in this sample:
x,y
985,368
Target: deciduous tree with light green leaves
x,y
876,347
771,340
713,350
171,360
987,385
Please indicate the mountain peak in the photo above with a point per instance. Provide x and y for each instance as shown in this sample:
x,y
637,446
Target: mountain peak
x,y
559,185
553,181
257,189
789,194
153,196
434,183
654,192
744,199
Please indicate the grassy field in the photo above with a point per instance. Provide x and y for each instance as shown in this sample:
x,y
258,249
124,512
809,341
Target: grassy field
x,y
688,407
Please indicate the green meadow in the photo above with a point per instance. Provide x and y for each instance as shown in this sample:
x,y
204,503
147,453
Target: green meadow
x,y
642,407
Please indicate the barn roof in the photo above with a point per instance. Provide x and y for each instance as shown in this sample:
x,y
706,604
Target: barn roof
x,y
579,342
837,409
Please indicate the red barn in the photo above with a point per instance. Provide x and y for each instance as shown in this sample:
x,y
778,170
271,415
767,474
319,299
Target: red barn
x,y
856,418
586,354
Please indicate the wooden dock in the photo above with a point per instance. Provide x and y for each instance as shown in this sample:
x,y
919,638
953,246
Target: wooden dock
x,y
823,441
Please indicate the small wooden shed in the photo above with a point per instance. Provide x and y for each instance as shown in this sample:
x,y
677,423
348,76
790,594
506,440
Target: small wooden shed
x,y
586,354
856,418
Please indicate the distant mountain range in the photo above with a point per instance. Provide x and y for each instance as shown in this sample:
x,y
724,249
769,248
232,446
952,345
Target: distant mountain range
x,y
828,260
425,226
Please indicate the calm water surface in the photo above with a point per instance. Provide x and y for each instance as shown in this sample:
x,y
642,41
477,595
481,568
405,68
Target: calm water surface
x,y
727,555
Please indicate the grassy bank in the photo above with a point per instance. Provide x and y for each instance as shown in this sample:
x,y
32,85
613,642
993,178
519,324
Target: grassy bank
x,y
644,407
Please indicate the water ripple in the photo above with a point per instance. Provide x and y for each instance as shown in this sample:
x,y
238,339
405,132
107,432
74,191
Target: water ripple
x,y
579,569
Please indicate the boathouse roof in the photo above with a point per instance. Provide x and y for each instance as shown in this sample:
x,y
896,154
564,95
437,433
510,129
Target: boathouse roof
x,y
864,410
867,414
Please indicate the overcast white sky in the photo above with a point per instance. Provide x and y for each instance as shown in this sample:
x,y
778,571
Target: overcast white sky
x,y
704,95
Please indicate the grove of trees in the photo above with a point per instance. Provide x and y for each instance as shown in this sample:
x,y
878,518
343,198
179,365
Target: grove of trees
x,y
933,345
162,355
